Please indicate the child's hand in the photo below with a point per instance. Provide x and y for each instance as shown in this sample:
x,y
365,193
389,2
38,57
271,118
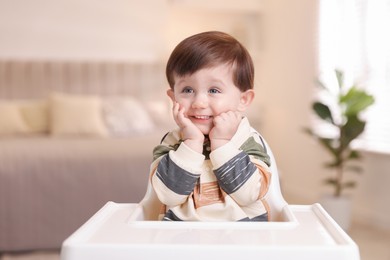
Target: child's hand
x,y
225,126
191,134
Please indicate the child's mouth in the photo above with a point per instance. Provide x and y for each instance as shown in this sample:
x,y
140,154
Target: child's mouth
x,y
202,117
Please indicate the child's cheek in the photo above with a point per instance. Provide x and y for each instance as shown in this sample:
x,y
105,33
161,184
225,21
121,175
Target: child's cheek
x,y
183,108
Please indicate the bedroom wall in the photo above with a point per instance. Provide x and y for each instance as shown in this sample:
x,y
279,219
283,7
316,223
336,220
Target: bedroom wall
x,y
282,37
288,67
117,29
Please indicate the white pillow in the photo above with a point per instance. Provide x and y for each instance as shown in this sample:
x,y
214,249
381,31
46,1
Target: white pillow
x,y
76,115
161,113
125,116
11,119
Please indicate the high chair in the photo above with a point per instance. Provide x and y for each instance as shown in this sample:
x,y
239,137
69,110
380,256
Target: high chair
x,y
132,231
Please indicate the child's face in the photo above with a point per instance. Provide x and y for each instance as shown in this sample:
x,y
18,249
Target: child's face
x,y
208,93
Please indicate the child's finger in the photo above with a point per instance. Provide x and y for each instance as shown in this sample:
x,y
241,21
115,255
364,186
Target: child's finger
x,y
238,115
175,111
217,119
180,116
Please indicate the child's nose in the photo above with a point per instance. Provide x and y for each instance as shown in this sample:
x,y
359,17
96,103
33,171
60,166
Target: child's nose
x,y
200,101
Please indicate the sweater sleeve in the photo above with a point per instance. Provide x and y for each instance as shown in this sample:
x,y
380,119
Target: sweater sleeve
x,y
176,175
240,175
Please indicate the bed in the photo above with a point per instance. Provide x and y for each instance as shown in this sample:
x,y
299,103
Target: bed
x,y
73,135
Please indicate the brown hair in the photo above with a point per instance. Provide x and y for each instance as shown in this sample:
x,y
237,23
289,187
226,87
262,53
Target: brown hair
x,y
208,49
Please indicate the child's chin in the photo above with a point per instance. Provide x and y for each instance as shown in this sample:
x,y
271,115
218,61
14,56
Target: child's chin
x,y
204,130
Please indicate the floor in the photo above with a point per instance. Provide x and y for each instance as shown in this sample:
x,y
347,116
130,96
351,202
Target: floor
x,y
374,244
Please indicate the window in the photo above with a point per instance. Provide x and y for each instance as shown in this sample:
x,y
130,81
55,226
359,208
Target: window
x,y
354,37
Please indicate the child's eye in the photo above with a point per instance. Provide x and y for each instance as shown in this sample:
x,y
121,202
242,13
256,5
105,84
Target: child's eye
x,y
187,90
214,91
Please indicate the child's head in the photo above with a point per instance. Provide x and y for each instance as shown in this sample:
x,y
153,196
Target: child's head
x,y
210,74
209,49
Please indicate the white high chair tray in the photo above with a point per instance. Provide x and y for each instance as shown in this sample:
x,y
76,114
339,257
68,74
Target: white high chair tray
x,y
306,232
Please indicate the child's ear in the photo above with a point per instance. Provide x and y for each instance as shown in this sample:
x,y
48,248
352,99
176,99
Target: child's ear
x,y
171,94
246,99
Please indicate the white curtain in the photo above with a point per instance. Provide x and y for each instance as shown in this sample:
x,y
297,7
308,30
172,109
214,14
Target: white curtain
x,y
355,38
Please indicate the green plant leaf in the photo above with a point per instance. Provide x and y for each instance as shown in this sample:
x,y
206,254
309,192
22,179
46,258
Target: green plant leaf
x,y
353,155
323,111
330,181
351,130
308,131
340,78
333,164
355,101
349,184
328,144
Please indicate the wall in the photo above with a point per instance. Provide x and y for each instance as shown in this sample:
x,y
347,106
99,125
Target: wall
x,y
88,29
287,74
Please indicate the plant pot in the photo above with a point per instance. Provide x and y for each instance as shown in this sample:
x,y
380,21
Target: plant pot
x,y
339,208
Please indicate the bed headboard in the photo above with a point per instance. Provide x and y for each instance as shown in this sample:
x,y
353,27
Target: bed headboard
x,y
30,79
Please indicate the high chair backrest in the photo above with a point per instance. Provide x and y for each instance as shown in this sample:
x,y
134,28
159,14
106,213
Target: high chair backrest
x,y
274,195
150,205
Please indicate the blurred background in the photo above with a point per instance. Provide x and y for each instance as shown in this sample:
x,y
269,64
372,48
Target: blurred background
x,y
293,43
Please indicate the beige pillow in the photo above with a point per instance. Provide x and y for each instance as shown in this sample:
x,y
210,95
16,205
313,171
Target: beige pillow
x,y
11,119
76,115
36,115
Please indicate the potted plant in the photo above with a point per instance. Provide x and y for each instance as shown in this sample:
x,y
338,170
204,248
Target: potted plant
x,y
340,111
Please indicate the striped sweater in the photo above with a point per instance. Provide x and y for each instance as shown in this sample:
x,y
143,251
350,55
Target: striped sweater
x,y
227,184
